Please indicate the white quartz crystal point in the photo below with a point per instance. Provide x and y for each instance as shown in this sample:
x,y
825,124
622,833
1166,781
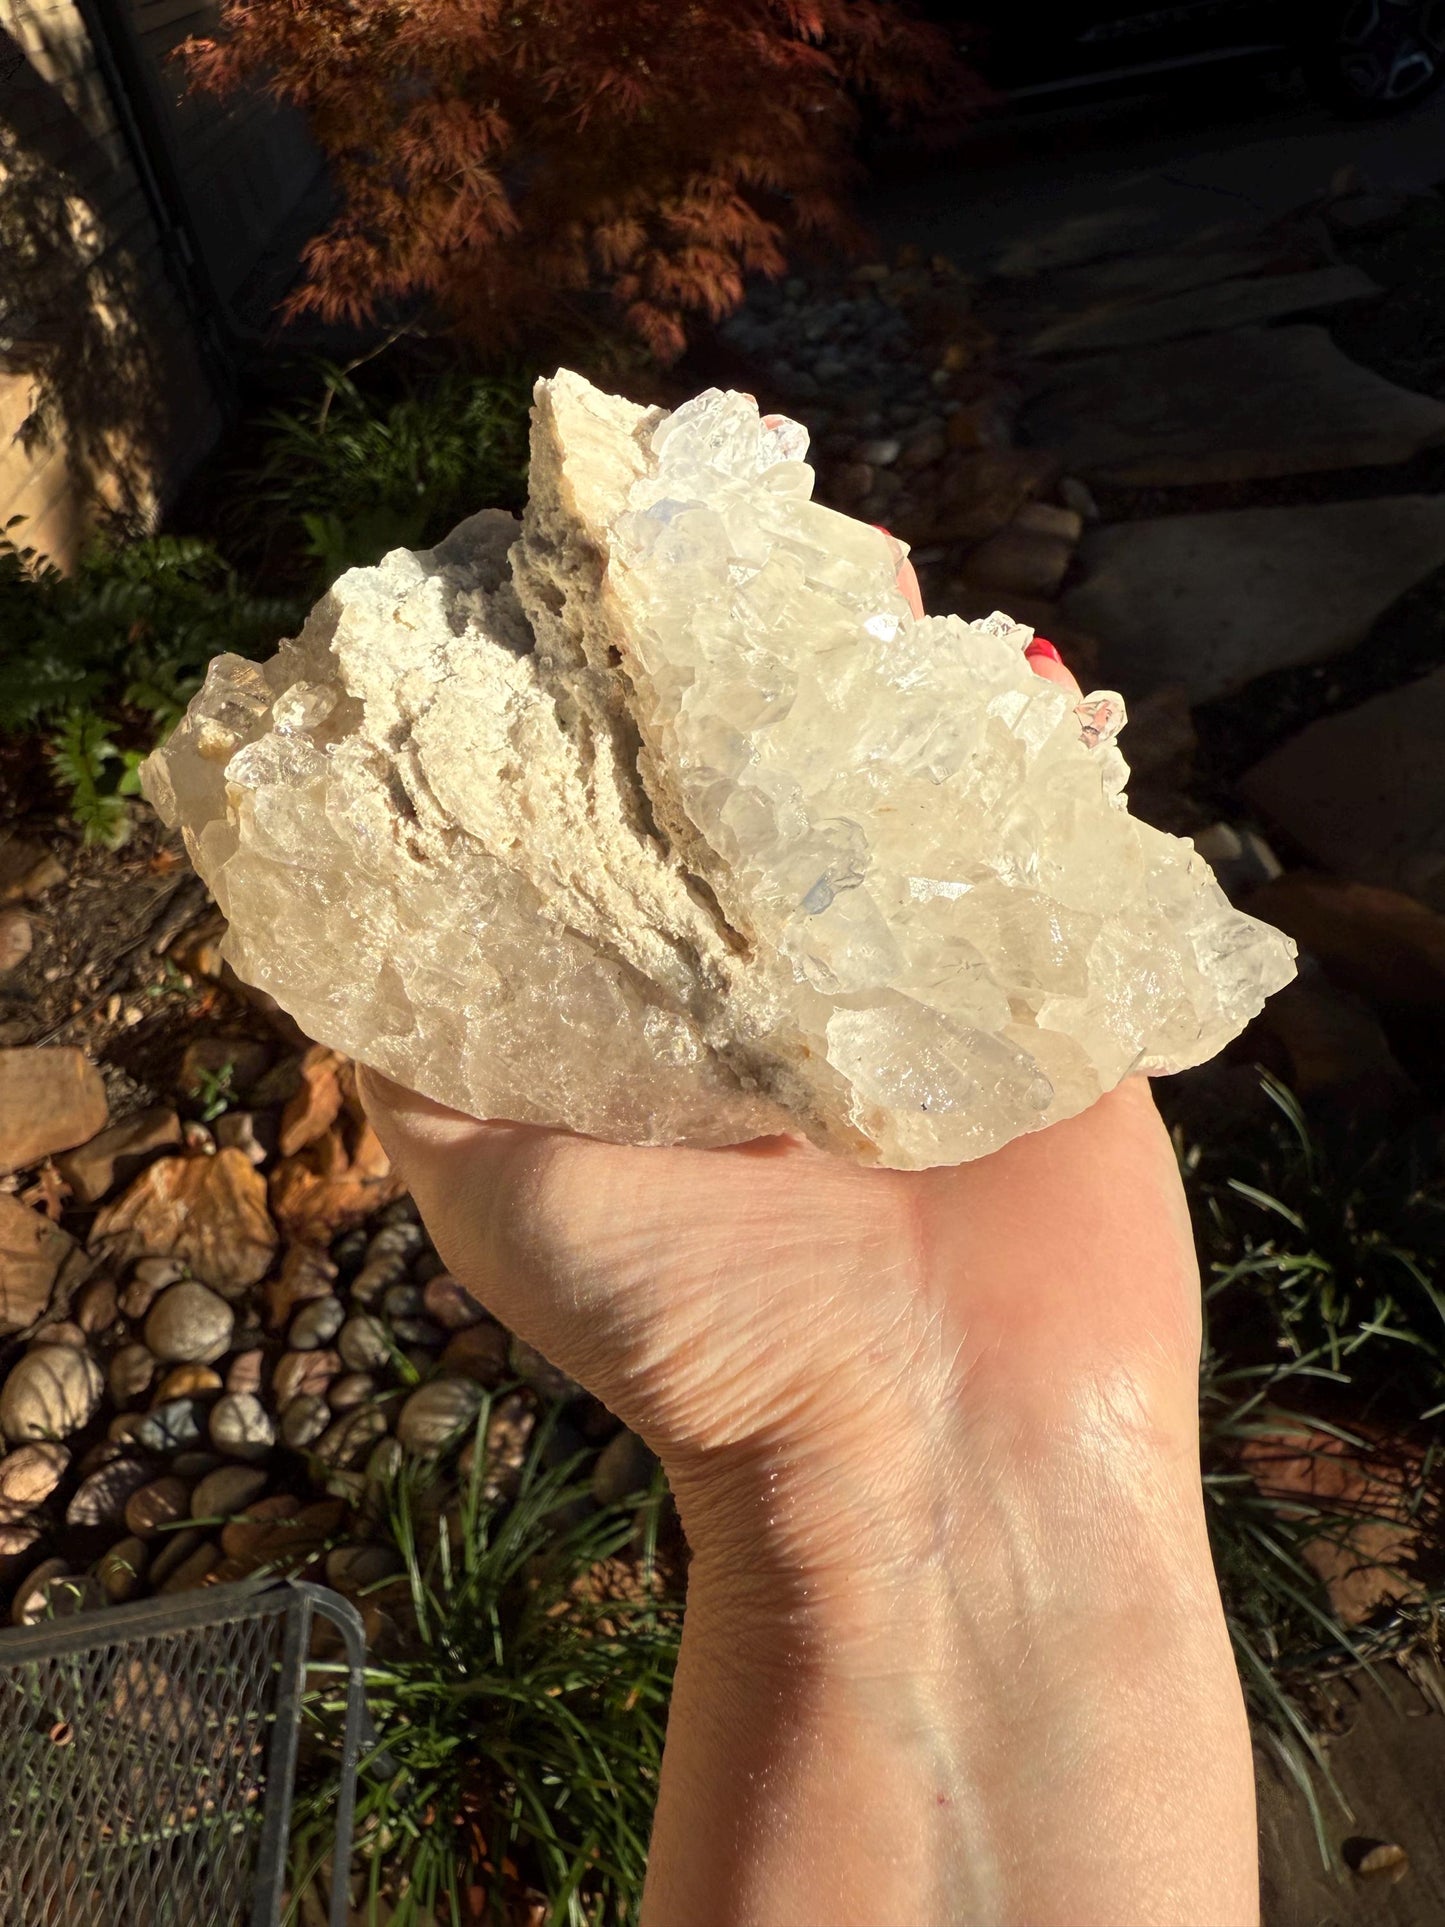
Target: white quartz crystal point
x,y
660,817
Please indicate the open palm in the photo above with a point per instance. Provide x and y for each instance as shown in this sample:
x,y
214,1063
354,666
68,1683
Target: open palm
x,y
719,1299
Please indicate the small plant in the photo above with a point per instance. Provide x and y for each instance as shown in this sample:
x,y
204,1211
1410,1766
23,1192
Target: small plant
x,y
104,660
133,626
520,1727
1323,1294
361,475
98,778
214,1092
1330,1250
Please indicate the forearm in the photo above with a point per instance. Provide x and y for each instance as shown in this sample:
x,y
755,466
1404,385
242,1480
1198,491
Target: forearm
x,y
1037,1723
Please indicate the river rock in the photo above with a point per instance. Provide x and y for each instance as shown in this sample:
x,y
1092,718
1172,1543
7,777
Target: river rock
x,y
28,1476
187,1381
364,1343
418,1333
171,1554
450,1304
190,1324
191,1571
351,1438
153,1506
49,1590
624,1468
303,1372
316,1324
121,1571
304,1420
344,1394
351,1568
436,1413
50,1099
246,1371
61,1331
18,1542
480,1353
384,1465
96,1307
510,1425
114,1155
227,1490
100,1499
241,1427
402,1300
49,1394
131,1370
305,1274
545,1378
147,1282
173,1426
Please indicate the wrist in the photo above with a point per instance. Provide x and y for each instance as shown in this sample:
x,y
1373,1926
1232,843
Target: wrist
x,y
1015,1703
842,1539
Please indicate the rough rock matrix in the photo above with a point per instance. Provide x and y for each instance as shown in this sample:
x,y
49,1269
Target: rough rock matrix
x,y
659,816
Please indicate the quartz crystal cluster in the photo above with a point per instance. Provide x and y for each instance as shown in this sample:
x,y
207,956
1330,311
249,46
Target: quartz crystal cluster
x,y
659,816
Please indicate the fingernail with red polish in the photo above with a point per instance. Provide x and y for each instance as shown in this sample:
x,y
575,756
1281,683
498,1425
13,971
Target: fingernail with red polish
x,y
1041,647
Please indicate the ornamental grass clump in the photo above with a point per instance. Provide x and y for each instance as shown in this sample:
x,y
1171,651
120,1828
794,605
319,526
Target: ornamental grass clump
x,y
1322,1377
519,1721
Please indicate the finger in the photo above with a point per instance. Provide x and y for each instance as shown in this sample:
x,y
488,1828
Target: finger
x,y
908,587
428,1143
460,1170
1045,660
1043,657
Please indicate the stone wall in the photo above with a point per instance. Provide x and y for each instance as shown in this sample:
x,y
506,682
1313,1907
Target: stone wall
x,y
108,392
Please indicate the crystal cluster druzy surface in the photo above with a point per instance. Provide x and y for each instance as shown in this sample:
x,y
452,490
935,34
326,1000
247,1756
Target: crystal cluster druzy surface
x,y
660,817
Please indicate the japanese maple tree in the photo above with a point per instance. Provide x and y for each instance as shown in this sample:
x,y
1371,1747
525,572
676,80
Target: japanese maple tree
x,y
510,159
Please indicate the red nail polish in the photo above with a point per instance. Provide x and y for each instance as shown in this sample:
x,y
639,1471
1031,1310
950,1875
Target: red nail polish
x,y
881,530
1041,647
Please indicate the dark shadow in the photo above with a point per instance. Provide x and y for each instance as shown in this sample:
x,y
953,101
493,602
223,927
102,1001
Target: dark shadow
x,y
79,318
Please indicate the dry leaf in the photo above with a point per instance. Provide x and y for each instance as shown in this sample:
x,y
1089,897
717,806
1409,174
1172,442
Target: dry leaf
x,y
326,1188
315,1105
210,1212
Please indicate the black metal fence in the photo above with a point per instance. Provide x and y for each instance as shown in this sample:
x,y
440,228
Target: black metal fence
x,y
148,1759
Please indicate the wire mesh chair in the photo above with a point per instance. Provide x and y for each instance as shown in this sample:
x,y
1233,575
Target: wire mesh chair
x,y
148,1758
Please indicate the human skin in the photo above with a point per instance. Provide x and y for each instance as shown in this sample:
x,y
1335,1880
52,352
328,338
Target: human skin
x,y
954,1654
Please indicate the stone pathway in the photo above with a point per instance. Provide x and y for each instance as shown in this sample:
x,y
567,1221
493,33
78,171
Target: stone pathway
x,y
1246,405
1203,309
1364,792
1212,601
1208,602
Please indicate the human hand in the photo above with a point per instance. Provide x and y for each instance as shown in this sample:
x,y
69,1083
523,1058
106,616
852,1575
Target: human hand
x,y
954,1653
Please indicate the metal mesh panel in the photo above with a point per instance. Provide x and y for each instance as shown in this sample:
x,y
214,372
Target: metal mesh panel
x,y
132,1777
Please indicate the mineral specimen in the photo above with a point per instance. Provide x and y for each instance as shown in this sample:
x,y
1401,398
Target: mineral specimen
x,y
659,816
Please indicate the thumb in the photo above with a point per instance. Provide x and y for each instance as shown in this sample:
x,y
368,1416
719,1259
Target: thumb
x,y
457,1168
